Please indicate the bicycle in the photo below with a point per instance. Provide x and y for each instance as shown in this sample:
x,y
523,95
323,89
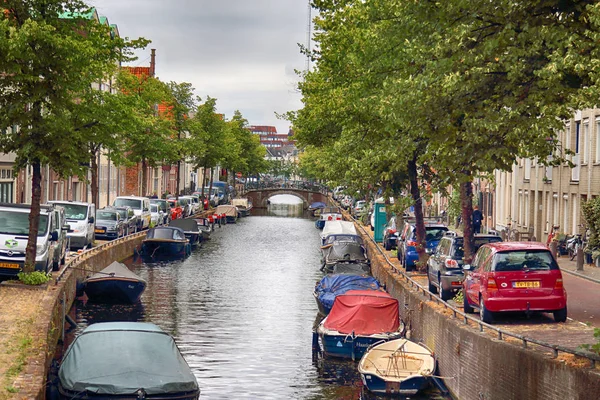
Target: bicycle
x,y
575,246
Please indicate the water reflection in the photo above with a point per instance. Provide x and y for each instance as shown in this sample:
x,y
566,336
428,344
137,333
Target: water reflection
x,y
242,312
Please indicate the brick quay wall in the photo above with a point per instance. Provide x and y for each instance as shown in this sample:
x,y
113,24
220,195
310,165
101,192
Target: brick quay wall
x,y
477,365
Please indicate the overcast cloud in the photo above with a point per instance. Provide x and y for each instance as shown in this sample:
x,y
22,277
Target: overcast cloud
x,y
242,52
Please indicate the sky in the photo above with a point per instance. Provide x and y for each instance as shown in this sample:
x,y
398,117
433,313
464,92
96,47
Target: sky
x,y
241,52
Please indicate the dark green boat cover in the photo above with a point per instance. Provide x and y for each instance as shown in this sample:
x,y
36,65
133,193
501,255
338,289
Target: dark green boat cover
x,y
119,358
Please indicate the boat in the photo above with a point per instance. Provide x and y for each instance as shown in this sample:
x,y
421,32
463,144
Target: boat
x,y
205,225
317,205
114,284
328,214
165,242
337,228
358,319
190,229
352,268
230,212
397,367
125,360
243,205
342,248
331,286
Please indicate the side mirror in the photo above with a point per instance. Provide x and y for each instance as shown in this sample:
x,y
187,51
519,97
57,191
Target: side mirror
x,y
91,220
467,267
67,228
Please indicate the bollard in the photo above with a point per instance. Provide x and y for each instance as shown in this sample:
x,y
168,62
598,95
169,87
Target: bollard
x,y
554,248
580,259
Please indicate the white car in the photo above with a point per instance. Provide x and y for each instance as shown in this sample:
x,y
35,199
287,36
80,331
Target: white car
x,y
157,215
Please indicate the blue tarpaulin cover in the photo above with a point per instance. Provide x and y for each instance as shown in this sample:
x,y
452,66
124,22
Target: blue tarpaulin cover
x,y
333,285
119,358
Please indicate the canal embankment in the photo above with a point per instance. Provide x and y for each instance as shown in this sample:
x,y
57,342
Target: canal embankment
x,y
473,360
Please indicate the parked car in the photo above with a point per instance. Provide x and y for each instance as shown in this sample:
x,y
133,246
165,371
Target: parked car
x,y
176,209
347,202
109,224
157,215
81,220
140,205
407,241
194,203
130,220
203,200
165,206
390,234
359,209
186,206
514,276
444,267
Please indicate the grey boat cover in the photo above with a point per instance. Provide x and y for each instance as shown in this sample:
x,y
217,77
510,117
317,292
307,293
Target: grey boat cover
x,y
351,268
119,358
344,251
115,269
188,225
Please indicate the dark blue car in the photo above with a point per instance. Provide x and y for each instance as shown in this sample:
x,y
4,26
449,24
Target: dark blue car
x,y
407,242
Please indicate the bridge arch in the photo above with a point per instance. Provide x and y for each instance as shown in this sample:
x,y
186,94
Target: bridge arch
x,y
259,197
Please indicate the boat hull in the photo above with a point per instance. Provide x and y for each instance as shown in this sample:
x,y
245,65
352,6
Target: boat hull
x,y
320,223
230,219
348,347
165,249
114,290
409,386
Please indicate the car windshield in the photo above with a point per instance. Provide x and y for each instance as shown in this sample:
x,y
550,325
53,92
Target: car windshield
x,y
106,215
122,213
432,233
524,260
17,223
75,211
133,203
154,208
459,250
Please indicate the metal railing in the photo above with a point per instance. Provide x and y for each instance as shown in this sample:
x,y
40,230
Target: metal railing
x,y
458,314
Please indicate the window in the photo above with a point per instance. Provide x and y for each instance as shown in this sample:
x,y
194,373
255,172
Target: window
x,y
585,141
527,170
577,134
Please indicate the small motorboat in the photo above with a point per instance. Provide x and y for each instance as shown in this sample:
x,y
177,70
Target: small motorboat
x,y
205,225
125,360
317,205
190,229
243,205
331,286
114,284
358,319
328,214
165,242
337,227
230,212
397,367
343,248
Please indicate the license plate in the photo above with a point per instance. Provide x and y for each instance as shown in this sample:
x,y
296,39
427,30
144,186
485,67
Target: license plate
x,y
527,284
99,231
9,265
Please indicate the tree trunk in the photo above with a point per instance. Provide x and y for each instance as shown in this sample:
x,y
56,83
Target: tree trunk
x,y
211,182
203,179
386,201
144,178
94,183
178,178
34,217
415,193
466,204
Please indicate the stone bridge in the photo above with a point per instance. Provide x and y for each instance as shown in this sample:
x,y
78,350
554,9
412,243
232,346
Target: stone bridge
x,y
259,197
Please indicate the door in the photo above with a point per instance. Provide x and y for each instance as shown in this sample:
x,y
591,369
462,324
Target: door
x,y
474,277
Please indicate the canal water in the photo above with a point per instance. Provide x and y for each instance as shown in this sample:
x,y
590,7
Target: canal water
x,y
242,312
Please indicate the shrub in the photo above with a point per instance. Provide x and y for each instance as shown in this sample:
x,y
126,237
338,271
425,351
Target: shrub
x,y
33,278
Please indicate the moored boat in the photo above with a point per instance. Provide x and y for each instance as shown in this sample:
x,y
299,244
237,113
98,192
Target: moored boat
x,y
114,284
165,242
190,229
337,227
125,360
328,214
205,225
397,367
343,248
243,205
230,212
350,268
331,286
358,319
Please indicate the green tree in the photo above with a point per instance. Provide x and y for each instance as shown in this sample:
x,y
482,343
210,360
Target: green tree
x,y
51,52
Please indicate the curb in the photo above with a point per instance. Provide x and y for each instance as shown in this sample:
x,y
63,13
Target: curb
x,y
583,276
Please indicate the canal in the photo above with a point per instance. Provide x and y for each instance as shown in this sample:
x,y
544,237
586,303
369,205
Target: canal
x,y
242,311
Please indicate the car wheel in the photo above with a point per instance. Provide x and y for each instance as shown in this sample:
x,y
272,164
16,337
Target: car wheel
x,y
445,294
560,315
406,266
485,315
387,245
431,286
55,265
466,306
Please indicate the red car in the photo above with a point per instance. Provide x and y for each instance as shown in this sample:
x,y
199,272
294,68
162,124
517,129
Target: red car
x,y
176,210
514,276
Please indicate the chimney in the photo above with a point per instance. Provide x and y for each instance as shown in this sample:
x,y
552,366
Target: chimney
x,y
152,62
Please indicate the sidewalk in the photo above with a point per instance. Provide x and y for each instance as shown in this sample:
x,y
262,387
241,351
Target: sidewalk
x,y
590,271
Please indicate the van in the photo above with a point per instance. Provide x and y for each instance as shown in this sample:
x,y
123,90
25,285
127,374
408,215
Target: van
x,y
14,235
223,190
81,219
141,208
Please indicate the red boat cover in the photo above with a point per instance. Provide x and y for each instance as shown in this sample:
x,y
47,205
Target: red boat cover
x,y
364,312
